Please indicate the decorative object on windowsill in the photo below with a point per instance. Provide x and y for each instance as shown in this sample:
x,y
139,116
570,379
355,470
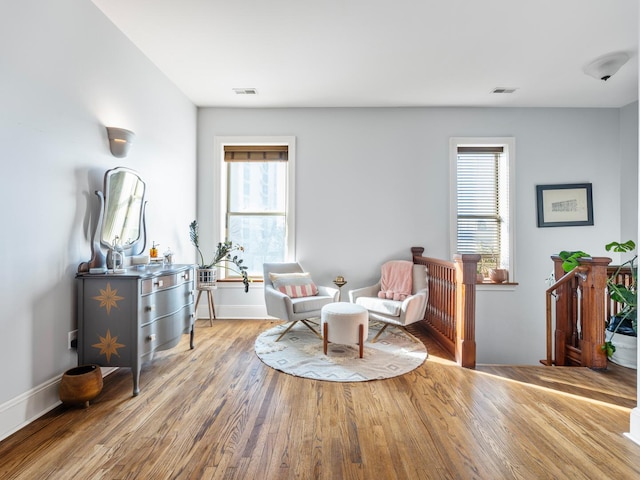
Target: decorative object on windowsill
x,y
498,275
489,267
622,329
222,258
80,385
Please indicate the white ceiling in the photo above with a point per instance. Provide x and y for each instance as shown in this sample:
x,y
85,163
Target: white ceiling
x,y
363,53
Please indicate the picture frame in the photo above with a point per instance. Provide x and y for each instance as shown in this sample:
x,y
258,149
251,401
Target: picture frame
x,y
564,205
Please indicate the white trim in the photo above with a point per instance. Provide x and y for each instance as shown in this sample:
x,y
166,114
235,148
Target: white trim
x,y
219,143
509,144
24,409
634,428
495,287
20,411
231,301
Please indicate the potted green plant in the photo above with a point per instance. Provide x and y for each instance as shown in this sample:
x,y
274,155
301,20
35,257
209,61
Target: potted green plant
x,y
625,322
494,272
222,258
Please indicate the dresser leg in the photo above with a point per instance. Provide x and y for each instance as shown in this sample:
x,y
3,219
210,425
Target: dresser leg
x,y
191,337
135,372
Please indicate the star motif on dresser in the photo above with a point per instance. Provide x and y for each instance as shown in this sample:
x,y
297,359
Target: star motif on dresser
x,y
108,345
108,298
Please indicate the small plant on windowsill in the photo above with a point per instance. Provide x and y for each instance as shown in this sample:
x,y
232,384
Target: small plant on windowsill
x,y
491,267
222,258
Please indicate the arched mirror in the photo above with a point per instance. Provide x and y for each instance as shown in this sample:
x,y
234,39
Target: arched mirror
x,y
123,209
121,215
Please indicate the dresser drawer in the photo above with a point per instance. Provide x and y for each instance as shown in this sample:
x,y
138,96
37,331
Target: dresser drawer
x,y
166,302
163,282
169,329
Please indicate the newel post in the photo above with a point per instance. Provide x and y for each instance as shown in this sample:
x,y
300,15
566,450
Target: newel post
x,y
465,321
564,315
416,252
594,312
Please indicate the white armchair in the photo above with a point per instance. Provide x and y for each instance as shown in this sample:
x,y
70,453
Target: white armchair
x,y
294,308
399,313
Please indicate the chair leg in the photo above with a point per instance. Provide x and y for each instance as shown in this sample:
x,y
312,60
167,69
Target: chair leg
x,y
311,328
402,329
287,329
305,323
361,335
379,333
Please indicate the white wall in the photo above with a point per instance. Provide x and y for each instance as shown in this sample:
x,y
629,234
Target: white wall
x,y
371,183
629,171
65,73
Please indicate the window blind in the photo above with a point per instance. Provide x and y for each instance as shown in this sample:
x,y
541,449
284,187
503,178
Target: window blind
x,y
256,153
478,200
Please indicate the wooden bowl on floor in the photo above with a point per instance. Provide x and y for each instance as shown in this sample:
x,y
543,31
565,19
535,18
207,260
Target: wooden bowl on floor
x,y
80,385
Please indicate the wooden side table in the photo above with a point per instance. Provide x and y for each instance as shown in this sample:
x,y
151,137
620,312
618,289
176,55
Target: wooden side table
x,y
212,309
207,283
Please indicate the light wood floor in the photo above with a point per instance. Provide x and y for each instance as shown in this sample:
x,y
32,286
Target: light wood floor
x,y
217,412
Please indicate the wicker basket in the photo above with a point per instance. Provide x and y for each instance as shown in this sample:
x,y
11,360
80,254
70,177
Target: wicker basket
x,y
206,278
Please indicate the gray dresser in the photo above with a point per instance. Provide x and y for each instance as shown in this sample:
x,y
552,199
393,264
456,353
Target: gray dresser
x,y
124,317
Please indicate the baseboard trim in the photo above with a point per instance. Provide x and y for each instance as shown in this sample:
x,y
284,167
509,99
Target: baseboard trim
x,y
24,409
634,427
233,311
20,411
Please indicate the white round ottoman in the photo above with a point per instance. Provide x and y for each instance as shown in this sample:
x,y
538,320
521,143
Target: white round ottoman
x,y
344,323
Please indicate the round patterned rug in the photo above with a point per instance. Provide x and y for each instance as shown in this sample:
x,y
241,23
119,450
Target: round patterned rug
x,y
300,353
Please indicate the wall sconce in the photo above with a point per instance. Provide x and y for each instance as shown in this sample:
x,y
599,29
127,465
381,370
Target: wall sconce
x,y
603,67
119,141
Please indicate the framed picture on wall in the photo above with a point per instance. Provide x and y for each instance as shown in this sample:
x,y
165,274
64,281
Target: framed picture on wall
x,y
564,205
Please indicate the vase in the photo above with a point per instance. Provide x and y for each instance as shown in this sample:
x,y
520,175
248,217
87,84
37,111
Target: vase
x,y
80,385
498,275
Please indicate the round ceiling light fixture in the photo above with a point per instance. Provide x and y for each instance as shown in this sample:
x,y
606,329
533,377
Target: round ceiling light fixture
x,y
603,67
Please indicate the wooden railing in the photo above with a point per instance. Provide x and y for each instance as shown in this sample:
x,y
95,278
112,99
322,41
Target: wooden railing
x,y
582,306
451,305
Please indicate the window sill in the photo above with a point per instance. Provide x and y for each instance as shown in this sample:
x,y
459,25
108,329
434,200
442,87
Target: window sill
x,y
490,286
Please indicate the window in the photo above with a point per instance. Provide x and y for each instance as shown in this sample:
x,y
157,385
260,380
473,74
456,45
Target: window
x,y
256,208
482,205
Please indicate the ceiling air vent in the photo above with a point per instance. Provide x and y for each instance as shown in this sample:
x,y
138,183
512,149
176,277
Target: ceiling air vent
x,y
503,90
245,91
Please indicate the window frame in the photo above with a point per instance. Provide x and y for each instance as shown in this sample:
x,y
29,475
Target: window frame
x,y
220,200
508,143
